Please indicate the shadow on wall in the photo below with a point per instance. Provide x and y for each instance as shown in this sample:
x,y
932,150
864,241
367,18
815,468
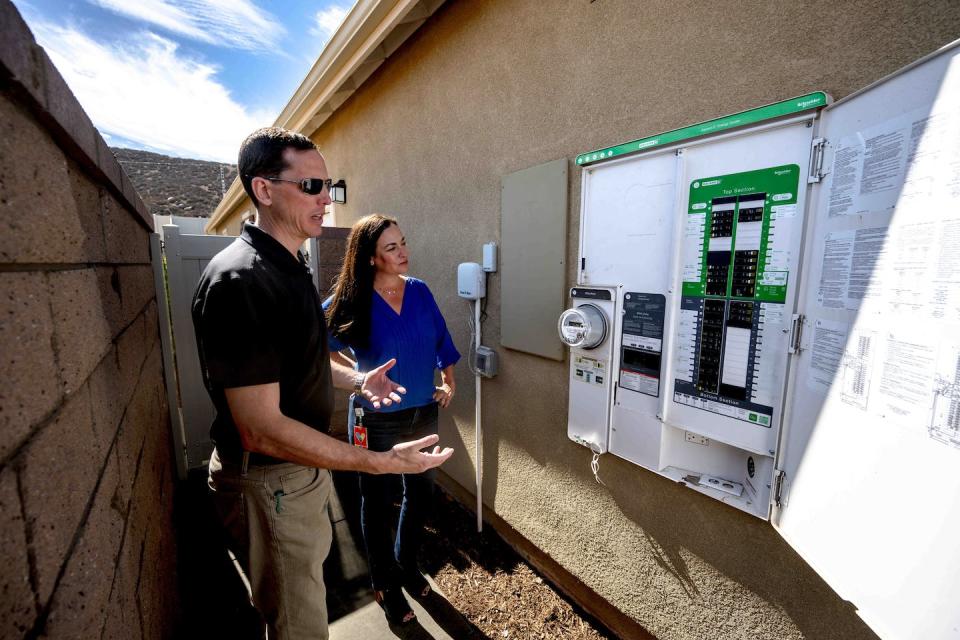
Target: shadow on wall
x,y
668,513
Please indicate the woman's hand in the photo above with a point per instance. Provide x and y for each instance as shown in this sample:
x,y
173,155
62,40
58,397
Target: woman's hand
x,y
443,394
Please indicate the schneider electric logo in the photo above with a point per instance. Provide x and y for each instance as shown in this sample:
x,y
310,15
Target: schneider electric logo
x,y
708,183
783,172
808,103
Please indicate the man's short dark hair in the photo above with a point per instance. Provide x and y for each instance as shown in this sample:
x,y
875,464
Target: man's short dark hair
x,y
261,154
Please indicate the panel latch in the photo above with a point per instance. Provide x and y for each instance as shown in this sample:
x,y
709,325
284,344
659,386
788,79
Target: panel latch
x,y
796,331
816,160
778,486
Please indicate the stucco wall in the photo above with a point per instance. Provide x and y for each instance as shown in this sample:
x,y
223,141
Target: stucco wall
x,y
85,453
486,88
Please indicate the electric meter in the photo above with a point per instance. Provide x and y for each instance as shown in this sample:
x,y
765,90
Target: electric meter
x,y
587,327
584,326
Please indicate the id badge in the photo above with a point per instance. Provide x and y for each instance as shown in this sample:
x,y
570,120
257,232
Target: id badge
x,y
360,436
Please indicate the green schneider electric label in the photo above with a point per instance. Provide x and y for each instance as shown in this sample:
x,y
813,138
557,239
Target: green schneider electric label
x,y
778,187
752,116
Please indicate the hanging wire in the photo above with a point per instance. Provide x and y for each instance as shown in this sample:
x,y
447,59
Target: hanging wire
x,y
471,359
595,463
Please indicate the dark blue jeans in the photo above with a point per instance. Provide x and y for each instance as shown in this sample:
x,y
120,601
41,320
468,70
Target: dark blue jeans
x,y
391,558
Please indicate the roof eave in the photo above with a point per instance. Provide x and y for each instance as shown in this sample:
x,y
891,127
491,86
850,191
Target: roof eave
x,y
371,31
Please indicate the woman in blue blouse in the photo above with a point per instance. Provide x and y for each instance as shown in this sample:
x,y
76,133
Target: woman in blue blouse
x,y
380,313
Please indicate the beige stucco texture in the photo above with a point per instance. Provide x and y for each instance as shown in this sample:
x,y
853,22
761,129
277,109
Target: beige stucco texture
x,y
486,88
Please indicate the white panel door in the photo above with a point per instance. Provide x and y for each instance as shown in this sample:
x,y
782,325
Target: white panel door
x,y
627,229
872,448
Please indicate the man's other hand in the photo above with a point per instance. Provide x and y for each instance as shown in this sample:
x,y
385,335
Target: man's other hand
x,y
407,457
378,388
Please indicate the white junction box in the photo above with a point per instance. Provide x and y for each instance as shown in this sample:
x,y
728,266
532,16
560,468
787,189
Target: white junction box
x,y
471,281
767,311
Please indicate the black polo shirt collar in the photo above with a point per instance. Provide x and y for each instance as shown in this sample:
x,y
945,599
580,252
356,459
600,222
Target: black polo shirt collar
x,y
271,249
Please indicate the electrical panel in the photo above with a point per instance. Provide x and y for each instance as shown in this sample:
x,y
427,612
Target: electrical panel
x,y
701,243
783,328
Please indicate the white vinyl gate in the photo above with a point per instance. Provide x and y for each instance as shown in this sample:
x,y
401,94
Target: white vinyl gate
x,y
191,411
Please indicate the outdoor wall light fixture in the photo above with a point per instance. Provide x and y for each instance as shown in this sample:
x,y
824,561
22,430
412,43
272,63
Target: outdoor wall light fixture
x,y
338,192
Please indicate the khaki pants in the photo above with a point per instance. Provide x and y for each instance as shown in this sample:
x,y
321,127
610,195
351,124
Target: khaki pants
x,y
279,529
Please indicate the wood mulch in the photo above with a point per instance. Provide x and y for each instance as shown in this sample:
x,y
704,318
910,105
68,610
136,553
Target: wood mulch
x,y
495,589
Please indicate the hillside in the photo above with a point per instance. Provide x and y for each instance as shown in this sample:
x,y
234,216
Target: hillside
x,y
176,186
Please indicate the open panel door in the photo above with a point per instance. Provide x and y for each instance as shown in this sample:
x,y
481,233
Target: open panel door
x,y
871,446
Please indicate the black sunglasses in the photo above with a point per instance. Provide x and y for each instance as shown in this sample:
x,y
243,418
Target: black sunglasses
x,y
310,186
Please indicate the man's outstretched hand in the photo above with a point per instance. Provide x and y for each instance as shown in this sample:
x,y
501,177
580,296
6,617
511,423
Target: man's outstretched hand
x,y
378,388
407,457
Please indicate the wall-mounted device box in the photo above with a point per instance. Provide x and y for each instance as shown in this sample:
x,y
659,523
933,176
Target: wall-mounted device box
x,y
767,311
471,281
490,257
485,361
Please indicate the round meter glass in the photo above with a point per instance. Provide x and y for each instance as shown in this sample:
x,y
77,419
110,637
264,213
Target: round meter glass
x,y
584,326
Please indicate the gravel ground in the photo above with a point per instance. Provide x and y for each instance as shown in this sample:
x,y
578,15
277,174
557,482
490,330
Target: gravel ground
x,y
486,581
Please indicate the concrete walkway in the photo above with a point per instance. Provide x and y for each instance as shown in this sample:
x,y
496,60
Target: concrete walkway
x,y
436,619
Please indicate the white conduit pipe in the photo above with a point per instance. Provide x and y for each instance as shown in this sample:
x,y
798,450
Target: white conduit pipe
x,y
479,444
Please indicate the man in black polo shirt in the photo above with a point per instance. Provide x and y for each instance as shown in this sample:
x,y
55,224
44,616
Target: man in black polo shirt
x,y
262,341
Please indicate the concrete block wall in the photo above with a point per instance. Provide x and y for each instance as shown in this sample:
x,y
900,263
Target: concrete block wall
x,y
330,249
86,466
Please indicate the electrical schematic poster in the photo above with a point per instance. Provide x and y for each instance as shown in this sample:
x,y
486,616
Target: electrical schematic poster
x,y
737,264
889,261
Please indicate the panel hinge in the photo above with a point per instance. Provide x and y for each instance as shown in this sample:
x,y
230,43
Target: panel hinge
x,y
796,331
778,486
816,160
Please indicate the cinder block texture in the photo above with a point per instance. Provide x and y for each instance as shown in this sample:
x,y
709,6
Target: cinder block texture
x,y
30,387
40,219
82,335
19,54
125,240
131,351
107,396
124,292
58,471
17,607
80,602
123,620
330,250
108,162
42,89
86,194
83,417
66,110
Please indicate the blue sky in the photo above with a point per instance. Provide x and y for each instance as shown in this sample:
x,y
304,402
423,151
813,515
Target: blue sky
x,y
187,78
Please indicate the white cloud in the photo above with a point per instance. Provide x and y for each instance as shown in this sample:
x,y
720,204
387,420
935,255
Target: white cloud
x,y
327,21
144,92
237,24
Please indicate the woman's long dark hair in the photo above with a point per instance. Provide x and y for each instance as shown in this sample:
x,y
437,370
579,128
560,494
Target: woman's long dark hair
x,y
348,315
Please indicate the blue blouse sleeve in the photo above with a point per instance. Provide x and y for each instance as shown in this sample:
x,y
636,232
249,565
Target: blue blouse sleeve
x,y
332,343
447,353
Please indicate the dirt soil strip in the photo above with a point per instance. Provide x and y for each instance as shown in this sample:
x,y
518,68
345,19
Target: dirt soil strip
x,y
492,586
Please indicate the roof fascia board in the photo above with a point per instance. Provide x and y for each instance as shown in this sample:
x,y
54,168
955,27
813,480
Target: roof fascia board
x,y
337,74
359,21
